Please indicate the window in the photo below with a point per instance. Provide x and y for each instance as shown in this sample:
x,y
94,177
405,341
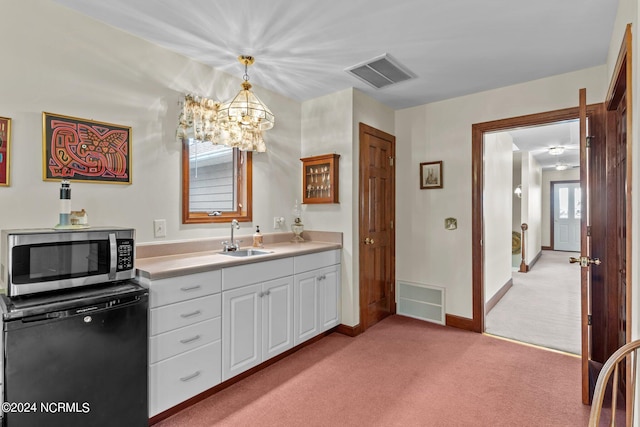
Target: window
x,y
216,183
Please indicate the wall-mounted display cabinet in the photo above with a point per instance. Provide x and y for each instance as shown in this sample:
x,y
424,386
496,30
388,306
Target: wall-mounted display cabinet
x,y
320,179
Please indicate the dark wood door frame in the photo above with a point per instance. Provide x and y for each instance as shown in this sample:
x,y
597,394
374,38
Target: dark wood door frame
x,y
619,98
477,185
552,213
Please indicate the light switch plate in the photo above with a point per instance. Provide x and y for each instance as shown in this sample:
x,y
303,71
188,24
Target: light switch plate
x,y
159,228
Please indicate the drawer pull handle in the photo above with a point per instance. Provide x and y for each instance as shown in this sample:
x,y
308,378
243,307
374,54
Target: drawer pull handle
x,y
187,315
191,288
190,377
189,340
322,277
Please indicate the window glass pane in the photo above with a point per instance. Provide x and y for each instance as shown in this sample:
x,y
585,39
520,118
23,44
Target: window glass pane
x,y
577,201
212,177
563,203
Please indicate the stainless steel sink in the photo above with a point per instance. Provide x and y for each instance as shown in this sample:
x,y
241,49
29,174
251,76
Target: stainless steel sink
x,y
245,252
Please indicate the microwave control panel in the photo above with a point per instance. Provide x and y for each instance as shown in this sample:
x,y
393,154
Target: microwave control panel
x,y
125,254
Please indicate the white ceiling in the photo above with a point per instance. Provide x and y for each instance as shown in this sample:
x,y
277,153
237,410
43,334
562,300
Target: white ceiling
x,y
302,47
538,139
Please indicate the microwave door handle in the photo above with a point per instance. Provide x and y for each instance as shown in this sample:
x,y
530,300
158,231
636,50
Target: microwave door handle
x,y
113,249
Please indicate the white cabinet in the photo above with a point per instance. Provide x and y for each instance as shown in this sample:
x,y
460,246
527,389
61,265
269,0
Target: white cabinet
x,y
208,327
185,343
257,324
316,294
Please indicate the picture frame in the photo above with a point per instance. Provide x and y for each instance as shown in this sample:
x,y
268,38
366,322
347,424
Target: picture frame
x,y
85,150
5,151
431,175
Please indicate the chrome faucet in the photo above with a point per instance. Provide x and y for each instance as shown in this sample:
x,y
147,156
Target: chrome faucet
x,y
231,246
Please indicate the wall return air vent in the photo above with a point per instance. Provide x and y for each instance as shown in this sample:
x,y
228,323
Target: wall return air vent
x,y
381,71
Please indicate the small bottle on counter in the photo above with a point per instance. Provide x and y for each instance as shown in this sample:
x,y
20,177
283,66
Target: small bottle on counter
x,y
257,238
65,203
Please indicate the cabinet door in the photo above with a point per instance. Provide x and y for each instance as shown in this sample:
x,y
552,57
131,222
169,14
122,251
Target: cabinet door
x,y
241,330
329,289
277,317
306,319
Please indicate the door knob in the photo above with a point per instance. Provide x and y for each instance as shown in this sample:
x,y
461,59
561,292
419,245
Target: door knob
x,y
368,241
584,261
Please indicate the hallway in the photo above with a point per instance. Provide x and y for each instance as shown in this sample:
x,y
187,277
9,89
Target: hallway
x,y
543,306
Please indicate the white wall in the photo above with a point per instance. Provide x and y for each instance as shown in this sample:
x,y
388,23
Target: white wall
x,y
59,61
497,199
549,176
533,239
516,205
442,131
330,124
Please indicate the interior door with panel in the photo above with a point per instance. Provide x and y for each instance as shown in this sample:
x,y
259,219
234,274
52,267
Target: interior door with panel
x,y
377,235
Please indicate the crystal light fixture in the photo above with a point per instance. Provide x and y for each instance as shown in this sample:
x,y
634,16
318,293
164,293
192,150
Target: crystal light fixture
x,y
556,151
242,120
562,166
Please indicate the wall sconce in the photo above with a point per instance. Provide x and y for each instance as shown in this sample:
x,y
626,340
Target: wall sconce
x,y
518,191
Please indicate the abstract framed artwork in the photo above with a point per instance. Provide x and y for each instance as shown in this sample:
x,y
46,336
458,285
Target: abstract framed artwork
x,y
85,150
5,151
431,175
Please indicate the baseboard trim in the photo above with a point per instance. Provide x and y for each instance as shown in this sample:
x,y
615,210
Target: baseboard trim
x,y
498,296
459,322
547,248
350,331
534,260
213,390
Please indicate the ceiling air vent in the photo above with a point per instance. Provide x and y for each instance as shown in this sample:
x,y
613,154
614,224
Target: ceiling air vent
x,y
381,71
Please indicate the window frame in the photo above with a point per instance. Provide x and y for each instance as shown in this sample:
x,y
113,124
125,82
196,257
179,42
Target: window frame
x,y
244,184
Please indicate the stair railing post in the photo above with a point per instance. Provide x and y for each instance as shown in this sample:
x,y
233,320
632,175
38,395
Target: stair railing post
x,y
523,264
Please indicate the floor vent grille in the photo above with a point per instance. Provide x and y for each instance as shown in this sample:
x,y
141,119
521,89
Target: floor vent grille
x,y
420,301
381,71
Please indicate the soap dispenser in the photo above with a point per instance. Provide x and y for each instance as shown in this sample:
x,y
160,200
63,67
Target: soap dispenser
x,y
257,238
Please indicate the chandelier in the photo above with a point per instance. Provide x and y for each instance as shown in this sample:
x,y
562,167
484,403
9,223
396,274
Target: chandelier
x,y
242,120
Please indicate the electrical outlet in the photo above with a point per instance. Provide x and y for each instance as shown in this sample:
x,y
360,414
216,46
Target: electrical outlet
x,y
278,222
159,228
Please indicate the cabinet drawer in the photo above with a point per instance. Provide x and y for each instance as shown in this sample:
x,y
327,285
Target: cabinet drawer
x,y
247,274
178,341
317,260
182,288
185,313
179,378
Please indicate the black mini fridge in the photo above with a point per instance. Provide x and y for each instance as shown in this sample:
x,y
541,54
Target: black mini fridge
x,y
77,359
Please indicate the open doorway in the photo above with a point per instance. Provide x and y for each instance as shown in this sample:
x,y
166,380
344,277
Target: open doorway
x,y
536,305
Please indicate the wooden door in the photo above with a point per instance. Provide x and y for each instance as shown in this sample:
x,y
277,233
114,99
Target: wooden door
x,y
620,167
585,249
377,216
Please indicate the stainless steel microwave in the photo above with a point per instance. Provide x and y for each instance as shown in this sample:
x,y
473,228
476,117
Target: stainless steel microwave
x,y
42,260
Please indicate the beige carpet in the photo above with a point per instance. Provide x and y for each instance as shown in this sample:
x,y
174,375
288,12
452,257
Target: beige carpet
x,y
543,306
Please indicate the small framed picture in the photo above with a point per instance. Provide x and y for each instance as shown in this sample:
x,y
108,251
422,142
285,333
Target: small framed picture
x,y
431,175
5,146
